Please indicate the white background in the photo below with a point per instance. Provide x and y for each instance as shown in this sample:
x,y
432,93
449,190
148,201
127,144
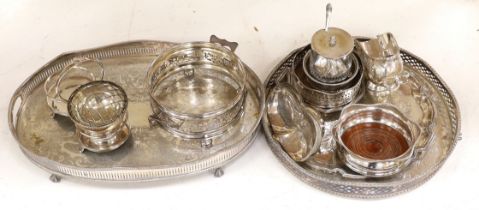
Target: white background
x,y
444,33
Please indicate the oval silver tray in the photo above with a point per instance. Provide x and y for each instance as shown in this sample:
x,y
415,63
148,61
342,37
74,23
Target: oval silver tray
x,y
443,132
150,153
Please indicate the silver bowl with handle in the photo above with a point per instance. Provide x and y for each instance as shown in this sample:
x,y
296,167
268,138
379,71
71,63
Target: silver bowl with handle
x,y
59,86
197,89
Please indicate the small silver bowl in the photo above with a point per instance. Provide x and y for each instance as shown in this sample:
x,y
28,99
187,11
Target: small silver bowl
x,y
99,111
327,98
60,85
197,89
375,140
296,127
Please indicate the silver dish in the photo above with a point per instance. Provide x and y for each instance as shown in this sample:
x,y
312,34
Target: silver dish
x,y
59,86
197,89
422,97
150,153
390,122
99,111
296,127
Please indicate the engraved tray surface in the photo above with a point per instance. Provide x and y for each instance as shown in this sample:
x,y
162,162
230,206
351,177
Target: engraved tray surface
x,y
150,153
445,133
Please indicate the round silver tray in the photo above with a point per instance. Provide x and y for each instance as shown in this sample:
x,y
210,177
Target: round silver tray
x,y
444,132
150,153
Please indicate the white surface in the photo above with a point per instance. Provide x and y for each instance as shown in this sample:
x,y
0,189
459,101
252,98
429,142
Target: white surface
x,y
444,33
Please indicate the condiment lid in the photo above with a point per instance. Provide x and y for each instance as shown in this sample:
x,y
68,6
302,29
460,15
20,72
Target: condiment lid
x,y
332,42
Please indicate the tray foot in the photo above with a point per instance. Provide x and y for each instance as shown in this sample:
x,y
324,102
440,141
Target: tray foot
x,y
55,178
218,172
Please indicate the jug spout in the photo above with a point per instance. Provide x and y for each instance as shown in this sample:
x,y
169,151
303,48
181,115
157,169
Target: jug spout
x,y
383,47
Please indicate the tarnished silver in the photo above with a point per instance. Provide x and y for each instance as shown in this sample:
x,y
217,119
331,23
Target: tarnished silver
x,y
59,86
421,96
150,153
296,127
197,89
383,114
326,98
99,111
382,62
330,58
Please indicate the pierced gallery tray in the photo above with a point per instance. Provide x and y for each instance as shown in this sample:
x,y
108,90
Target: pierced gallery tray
x,y
151,153
422,96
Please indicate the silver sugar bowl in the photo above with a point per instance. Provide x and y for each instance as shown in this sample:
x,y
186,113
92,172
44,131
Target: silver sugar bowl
x,y
331,75
99,111
330,58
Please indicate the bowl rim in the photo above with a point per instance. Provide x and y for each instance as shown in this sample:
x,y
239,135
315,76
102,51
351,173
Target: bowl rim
x,y
154,67
386,108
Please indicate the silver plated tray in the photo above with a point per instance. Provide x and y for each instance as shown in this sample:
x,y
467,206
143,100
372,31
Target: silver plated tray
x,y
150,153
424,98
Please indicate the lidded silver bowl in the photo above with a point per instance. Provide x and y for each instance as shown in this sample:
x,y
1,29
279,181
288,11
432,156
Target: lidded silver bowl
x,y
60,85
99,111
331,75
330,56
197,89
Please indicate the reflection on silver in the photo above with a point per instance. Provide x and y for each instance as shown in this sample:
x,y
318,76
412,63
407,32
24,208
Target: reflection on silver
x,y
382,62
294,126
383,114
197,89
59,86
99,111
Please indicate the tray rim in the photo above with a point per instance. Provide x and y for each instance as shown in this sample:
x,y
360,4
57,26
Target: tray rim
x,y
306,177
126,172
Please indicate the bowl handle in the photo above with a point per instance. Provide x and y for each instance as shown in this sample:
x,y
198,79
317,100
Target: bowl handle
x,y
74,65
224,42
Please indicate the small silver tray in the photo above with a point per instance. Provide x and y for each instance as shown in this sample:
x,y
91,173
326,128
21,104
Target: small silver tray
x,y
150,153
438,115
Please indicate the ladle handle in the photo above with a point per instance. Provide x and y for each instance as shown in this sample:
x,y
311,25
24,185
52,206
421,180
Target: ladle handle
x,y
224,42
329,10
